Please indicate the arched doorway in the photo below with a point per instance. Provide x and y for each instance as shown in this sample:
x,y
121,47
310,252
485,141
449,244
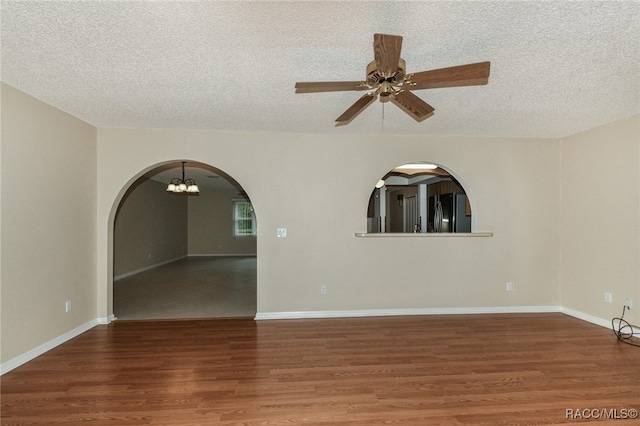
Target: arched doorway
x,y
184,256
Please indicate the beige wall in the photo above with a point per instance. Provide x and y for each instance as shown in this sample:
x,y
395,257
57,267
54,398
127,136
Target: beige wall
x,y
319,191
48,222
601,219
211,225
551,233
150,228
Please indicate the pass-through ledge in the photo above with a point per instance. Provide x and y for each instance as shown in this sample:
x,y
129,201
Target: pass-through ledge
x,y
422,234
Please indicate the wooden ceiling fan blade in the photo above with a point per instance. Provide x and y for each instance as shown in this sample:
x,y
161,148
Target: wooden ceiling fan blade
x,y
412,105
330,86
386,50
461,75
356,109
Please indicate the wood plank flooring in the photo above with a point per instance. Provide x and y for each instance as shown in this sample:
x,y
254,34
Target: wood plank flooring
x,y
508,369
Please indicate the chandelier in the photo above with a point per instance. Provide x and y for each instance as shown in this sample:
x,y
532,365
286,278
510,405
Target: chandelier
x,y
183,186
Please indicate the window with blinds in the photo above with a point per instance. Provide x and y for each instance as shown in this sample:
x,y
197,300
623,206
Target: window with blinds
x,y
244,219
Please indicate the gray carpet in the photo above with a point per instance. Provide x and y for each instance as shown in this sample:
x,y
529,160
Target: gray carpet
x,y
194,287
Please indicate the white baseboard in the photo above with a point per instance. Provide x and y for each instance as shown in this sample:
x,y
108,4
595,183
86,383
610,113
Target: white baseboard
x,y
437,311
106,320
146,268
595,320
39,350
400,312
586,317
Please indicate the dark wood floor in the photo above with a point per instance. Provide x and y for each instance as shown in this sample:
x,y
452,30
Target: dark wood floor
x,y
432,370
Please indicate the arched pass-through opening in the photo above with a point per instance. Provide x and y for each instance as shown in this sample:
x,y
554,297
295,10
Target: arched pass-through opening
x,y
182,255
419,197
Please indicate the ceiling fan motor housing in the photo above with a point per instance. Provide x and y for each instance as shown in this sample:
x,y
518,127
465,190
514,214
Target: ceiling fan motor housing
x,y
375,78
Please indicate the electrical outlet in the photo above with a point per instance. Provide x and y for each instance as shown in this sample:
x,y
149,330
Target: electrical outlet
x,y
628,302
281,232
510,286
608,298
323,289
67,306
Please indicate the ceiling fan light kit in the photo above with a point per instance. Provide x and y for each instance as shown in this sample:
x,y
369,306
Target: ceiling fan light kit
x,y
387,79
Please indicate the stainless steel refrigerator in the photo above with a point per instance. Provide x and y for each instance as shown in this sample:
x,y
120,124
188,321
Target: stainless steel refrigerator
x,y
448,213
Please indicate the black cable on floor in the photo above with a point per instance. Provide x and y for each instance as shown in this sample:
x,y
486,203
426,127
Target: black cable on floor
x,y
624,330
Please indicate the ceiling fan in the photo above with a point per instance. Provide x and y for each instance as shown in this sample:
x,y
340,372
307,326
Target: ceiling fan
x,y
387,78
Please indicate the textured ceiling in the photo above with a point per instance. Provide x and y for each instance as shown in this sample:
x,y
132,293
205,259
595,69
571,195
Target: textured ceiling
x,y
557,68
